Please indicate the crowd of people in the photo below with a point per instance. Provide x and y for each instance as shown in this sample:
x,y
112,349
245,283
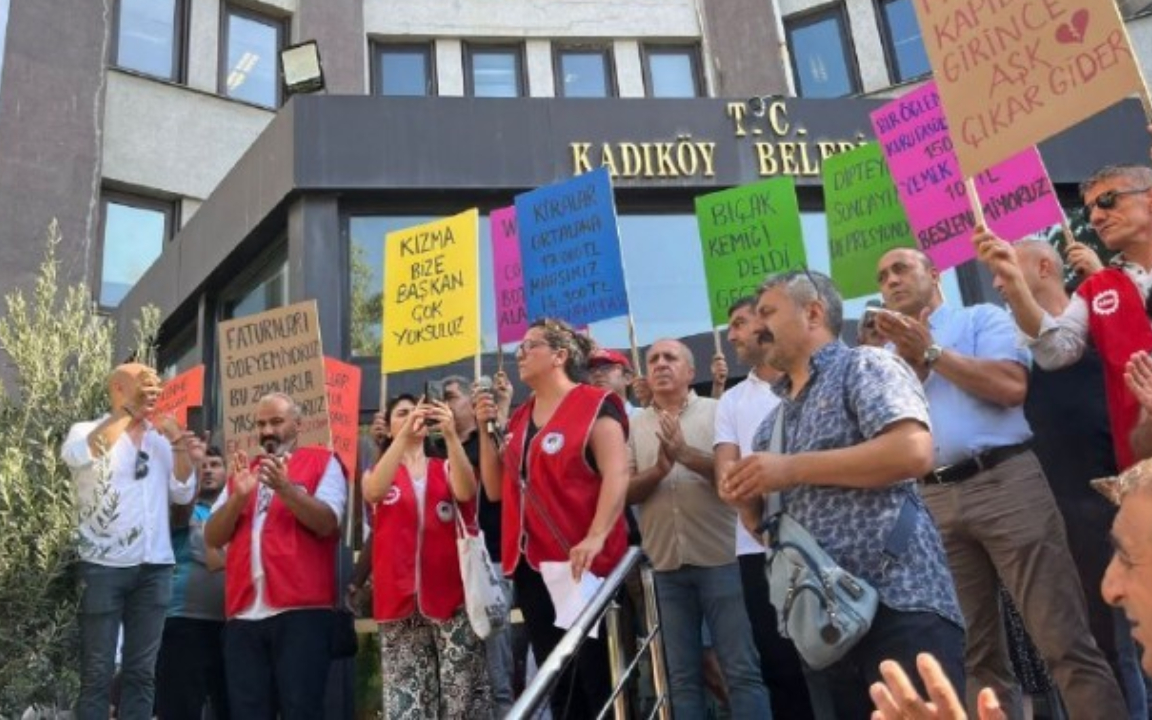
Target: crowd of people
x,y
945,460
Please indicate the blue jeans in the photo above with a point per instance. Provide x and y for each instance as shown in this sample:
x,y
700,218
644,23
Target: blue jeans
x,y
136,597
501,666
685,598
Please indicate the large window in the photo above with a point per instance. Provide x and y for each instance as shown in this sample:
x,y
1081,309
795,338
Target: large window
x,y
149,37
663,268
3,32
494,71
672,72
250,57
134,232
823,62
902,41
404,70
584,72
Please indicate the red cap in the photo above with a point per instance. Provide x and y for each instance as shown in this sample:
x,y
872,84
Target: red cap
x,y
603,356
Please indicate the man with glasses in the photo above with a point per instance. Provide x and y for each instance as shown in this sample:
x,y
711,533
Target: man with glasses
x,y
612,371
128,466
1110,307
988,494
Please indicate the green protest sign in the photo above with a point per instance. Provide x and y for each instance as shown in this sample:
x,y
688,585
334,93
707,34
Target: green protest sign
x,y
865,217
748,233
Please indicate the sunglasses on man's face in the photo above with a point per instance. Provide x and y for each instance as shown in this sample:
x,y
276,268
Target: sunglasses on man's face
x,y
1107,200
141,465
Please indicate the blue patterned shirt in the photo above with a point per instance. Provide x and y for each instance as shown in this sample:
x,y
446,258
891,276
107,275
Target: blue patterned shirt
x,y
852,396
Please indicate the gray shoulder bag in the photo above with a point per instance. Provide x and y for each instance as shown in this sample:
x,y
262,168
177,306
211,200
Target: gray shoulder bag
x,y
822,608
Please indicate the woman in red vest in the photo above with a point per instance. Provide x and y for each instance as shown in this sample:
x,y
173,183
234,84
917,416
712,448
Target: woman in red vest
x,y
562,477
432,663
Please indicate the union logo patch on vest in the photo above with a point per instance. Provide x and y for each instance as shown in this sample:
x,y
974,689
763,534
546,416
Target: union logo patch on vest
x,y
392,496
444,511
1106,302
552,443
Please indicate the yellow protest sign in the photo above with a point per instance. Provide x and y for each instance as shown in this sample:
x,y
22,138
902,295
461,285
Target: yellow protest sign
x,y
431,293
274,351
1012,73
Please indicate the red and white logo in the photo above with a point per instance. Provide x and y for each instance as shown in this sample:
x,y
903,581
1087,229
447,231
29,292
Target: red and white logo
x,y
392,496
1106,302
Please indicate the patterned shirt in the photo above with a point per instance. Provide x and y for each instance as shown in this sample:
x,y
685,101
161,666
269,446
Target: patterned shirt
x,y
852,396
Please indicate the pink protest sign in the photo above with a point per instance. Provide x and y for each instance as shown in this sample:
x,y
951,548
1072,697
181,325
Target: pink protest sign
x,y
511,316
1016,195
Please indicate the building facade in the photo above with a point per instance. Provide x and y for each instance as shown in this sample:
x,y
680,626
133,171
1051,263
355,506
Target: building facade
x,y
158,134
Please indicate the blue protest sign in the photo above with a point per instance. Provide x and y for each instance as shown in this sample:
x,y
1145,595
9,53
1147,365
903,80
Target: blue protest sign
x,y
570,251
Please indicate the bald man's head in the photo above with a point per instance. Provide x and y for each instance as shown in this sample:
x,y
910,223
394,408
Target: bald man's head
x,y
134,384
1042,266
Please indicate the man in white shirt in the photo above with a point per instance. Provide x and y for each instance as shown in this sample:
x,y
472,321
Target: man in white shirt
x,y
279,515
742,409
127,471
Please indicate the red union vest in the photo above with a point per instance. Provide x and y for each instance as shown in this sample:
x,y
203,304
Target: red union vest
x,y
1119,327
565,489
414,571
299,566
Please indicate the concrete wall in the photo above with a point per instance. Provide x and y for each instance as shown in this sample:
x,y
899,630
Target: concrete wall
x,y
50,137
162,136
671,19
1140,34
745,48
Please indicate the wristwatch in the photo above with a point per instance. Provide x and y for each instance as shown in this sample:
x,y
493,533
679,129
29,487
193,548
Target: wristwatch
x,y
932,353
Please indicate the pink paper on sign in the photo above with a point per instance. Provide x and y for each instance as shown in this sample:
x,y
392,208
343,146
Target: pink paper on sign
x,y
1016,195
511,315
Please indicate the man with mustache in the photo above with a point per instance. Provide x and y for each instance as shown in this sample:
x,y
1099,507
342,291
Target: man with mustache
x,y
689,535
988,494
128,466
855,435
279,515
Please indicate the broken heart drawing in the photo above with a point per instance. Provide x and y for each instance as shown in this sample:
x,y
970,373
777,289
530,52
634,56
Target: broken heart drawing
x,y
1073,32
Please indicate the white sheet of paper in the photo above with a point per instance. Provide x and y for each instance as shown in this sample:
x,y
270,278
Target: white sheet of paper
x,y
568,596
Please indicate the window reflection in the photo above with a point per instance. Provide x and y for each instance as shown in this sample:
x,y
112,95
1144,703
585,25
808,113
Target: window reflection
x,y
147,37
134,236
251,70
495,72
671,72
269,290
821,60
905,46
583,73
404,70
3,32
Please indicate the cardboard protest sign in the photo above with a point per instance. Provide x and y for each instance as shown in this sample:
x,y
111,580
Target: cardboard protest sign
x,y
343,381
1016,195
277,350
432,293
865,217
570,251
180,393
511,315
1016,72
748,233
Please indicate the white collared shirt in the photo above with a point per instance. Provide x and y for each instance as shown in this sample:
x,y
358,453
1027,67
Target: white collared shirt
x,y
742,408
332,491
124,521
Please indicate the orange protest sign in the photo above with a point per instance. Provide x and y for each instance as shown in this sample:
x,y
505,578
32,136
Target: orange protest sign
x,y
1012,73
344,411
180,393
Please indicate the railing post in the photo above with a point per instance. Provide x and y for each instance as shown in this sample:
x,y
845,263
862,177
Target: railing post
x,y
656,649
616,659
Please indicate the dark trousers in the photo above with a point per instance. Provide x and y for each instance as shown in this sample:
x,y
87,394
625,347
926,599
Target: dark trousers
x,y
780,665
586,684
190,670
899,636
279,665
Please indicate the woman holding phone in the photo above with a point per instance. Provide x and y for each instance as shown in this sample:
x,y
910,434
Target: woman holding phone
x,y
562,477
432,663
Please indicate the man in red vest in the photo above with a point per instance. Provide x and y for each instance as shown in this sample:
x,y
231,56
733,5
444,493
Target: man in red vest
x,y
1109,307
279,515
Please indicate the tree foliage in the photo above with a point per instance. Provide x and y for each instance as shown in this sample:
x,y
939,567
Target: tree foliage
x,y
57,350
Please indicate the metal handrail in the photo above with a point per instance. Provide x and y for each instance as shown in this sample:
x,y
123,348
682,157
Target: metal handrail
x,y
536,694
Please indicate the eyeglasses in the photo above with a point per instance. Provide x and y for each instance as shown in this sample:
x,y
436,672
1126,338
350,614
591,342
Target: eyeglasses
x,y
529,345
1107,200
141,465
